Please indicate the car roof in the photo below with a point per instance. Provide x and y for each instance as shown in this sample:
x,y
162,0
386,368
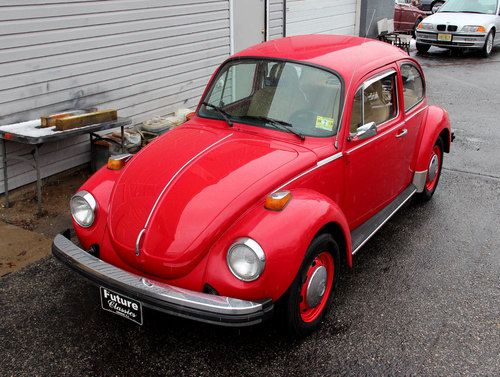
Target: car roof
x,y
342,53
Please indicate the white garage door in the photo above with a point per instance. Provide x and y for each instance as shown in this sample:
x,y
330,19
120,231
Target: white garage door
x,y
321,17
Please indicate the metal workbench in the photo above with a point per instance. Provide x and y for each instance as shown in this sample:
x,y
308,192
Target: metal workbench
x,y
31,133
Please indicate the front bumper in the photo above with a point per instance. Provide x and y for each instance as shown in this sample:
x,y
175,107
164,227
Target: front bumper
x,y
458,39
181,302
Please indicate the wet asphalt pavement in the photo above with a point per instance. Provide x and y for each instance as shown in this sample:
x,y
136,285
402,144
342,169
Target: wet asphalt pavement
x,y
423,297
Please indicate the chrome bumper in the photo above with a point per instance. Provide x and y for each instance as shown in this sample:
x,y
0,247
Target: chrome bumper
x,y
458,40
199,306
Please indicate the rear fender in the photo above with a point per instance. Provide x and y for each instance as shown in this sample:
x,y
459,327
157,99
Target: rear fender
x,y
437,124
284,236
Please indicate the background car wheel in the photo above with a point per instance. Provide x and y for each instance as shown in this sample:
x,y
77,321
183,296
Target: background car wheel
x,y
436,5
414,31
309,297
434,172
423,48
488,45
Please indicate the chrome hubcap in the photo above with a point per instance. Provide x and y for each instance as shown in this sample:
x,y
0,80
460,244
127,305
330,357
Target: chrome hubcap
x,y
489,43
433,166
316,287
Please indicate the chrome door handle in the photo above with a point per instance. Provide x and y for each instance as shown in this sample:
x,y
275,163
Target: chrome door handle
x,y
403,132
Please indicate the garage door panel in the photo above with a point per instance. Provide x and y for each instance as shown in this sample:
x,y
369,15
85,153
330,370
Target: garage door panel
x,y
321,16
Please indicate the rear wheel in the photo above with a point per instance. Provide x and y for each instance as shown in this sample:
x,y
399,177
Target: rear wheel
x,y
423,48
433,172
310,296
488,44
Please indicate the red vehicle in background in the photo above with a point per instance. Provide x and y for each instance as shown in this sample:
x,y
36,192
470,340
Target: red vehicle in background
x,y
407,16
300,150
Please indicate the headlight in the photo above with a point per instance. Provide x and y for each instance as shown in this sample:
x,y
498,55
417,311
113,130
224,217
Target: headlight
x,y
246,259
474,29
83,206
425,26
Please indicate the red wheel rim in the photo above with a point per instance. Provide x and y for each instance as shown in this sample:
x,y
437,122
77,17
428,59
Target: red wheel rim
x,y
308,313
431,183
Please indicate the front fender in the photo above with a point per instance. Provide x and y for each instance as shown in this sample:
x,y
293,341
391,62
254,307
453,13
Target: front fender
x,y
100,185
284,236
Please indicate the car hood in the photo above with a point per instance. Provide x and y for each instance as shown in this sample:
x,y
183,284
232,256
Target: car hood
x,y
187,187
460,19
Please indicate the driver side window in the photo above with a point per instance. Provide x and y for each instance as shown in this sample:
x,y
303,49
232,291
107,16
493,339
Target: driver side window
x,y
375,101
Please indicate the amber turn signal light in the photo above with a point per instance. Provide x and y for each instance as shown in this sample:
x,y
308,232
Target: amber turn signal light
x,y
277,200
118,162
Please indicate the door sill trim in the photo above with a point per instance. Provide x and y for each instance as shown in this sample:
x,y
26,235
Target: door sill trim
x,y
367,230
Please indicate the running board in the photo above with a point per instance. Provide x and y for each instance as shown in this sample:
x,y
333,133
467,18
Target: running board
x,y
365,231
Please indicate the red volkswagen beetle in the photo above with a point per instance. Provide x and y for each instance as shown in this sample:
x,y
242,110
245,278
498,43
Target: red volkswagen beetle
x,y
300,150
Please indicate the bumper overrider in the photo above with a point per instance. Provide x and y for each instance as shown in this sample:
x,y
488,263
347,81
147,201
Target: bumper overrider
x,y
225,311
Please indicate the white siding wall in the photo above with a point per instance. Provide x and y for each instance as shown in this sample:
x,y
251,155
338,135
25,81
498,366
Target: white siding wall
x,y
144,58
275,19
321,17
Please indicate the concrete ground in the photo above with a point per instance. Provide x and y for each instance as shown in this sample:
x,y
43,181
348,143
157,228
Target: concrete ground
x,y
423,297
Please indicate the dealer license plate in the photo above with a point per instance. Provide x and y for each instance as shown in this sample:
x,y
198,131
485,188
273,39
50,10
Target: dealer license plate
x,y
122,305
445,37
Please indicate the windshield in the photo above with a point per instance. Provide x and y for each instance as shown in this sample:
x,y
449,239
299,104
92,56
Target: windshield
x,y
265,92
470,6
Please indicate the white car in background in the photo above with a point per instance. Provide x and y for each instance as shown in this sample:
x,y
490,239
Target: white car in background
x,y
461,24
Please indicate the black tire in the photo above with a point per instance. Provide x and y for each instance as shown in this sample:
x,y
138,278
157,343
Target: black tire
x,y
288,307
423,48
428,192
488,44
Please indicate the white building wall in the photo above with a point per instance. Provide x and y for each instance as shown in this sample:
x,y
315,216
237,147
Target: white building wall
x,y
321,17
144,58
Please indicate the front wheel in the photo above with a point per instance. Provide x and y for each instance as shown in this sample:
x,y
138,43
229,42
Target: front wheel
x,y
433,171
488,44
423,48
309,297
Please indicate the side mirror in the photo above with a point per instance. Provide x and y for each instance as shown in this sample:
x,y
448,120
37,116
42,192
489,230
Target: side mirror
x,y
365,131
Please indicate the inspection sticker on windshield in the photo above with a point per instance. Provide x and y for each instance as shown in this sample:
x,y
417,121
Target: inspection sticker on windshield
x,y
324,123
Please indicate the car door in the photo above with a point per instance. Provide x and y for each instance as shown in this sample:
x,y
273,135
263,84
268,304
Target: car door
x,y
412,104
397,16
376,171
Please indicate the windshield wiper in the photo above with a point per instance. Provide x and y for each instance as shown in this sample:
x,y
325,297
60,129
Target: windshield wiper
x,y
279,124
221,111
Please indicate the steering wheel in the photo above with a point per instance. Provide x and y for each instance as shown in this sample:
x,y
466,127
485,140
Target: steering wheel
x,y
303,118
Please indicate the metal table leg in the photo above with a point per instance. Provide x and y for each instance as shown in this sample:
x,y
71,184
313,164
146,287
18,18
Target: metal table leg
x,y
122,139
5,181
36,157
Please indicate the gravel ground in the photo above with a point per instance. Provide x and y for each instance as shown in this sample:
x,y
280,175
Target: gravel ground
x,y
423,297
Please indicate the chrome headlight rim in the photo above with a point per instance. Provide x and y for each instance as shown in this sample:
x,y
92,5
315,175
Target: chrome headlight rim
x,y
256,249
92,203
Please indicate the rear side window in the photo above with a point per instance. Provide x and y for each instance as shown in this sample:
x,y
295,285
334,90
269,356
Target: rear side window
x,y
413,86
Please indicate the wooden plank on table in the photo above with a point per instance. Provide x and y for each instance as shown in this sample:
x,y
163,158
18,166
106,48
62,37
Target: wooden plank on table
x,y
50,120
76,121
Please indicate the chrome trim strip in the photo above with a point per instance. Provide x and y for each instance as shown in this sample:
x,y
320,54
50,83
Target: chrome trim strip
x,y
329,159
419,179
318,165
383,222
101,272
138,241
256,248
178,172
376,78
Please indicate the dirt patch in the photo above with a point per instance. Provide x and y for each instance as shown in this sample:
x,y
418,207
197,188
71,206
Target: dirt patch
x,y
56,193
20,247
